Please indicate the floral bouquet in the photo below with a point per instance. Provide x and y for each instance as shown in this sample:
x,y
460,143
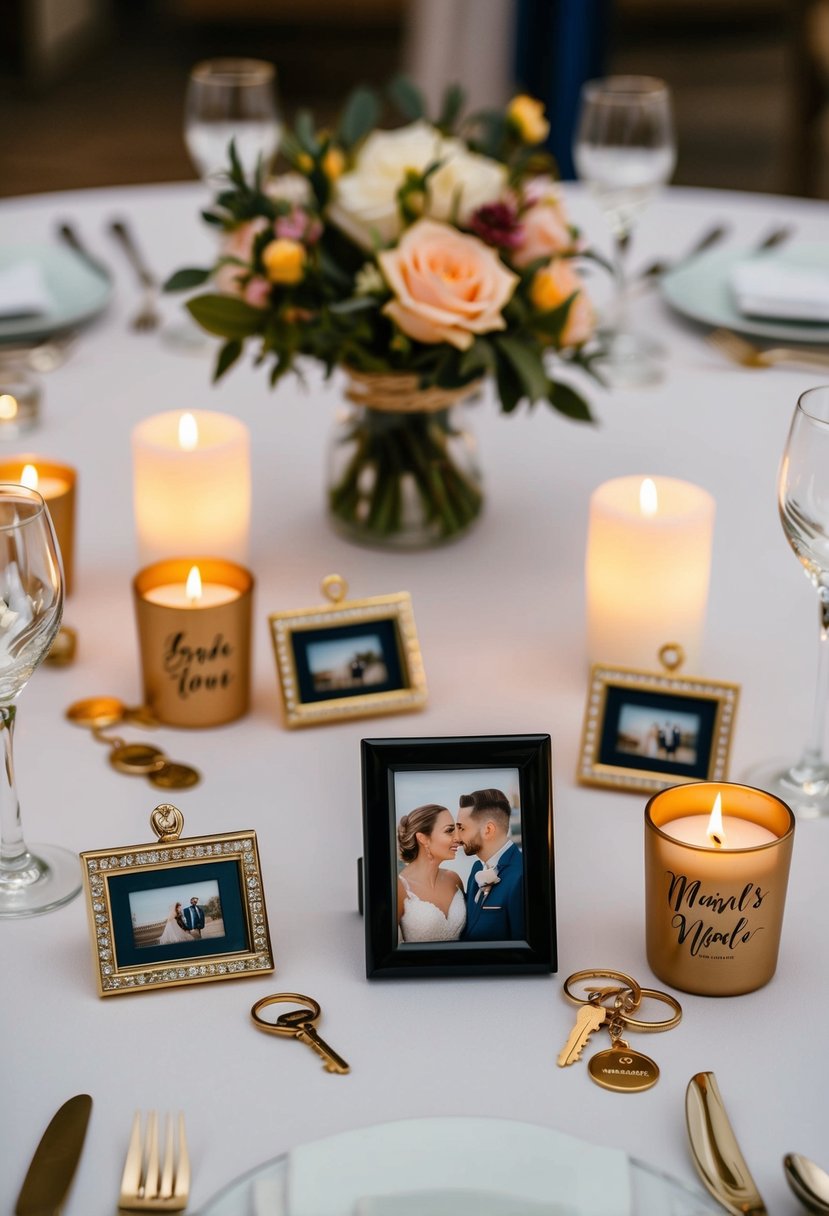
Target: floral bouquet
x,y
419,260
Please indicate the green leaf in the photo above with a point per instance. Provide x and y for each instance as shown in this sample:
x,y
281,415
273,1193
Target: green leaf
x,y
360,114
304,128
552,322
186,278
356,304
453,101
478,359
527,365
570,403
225,316
510,388
407,97
228,355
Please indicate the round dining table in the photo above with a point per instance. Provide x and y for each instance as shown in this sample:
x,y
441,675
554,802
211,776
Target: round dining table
x,y
501,620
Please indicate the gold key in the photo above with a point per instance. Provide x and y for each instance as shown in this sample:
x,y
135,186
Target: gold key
x,y
299,1024
589,1018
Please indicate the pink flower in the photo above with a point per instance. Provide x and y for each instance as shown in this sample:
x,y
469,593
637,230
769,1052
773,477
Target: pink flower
x,y
448,286
498,224
257,293
298,225
238,244
545,232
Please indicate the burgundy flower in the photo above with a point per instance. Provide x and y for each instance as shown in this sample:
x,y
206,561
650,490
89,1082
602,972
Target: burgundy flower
x,y
498,224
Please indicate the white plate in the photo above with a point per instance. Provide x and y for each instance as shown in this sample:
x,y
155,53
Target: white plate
x,y
78,294
263,1191
701,290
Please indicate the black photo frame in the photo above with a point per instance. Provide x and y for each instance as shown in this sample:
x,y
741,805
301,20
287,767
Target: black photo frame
x,y
531,758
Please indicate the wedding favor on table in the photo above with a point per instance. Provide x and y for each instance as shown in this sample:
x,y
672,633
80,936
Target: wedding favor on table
x,y
191,485
56,485
647,569
194,628
716,870
348,658
179,911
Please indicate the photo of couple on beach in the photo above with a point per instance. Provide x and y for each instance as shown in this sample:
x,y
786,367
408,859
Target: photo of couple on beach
x,y
461,869
168,916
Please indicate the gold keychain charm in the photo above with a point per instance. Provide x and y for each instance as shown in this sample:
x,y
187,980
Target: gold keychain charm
x,y
98,714
621,1069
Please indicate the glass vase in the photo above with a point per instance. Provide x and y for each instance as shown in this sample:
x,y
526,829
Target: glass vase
x,y
403,468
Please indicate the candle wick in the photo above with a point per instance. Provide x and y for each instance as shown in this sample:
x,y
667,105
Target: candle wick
x,y
717,840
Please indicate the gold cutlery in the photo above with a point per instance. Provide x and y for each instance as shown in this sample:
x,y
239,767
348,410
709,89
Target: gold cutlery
x,y
148,1183
740,350
715,1150
148,317
55,1161
808,1181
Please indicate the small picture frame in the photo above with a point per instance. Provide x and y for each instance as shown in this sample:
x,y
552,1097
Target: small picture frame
x,y
646,731
178,911
348,659
458,856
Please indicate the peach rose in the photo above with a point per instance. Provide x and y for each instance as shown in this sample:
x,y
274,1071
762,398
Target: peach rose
x,y
238,244
448,286
545,232
551,286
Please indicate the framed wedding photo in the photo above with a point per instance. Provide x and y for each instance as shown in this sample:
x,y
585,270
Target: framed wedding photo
x,y
350,659
177,912
458,856
646,731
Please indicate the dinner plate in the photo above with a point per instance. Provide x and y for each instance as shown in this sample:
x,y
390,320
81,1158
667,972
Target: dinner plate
x,y
263,1191
77,293
702,291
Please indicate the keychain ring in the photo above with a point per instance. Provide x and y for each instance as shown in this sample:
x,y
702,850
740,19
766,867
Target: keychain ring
x,y
603,973
668,1024
283,998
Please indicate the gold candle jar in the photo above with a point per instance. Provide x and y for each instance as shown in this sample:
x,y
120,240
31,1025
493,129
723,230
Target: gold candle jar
x,y
194,638
56,485
715,893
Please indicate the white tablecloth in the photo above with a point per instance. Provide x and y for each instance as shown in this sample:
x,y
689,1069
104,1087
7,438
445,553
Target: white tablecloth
x,y
500,617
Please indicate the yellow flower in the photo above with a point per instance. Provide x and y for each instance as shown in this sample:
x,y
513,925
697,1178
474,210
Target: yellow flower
x,y
284,261
304,162
333,163
527,116
551,286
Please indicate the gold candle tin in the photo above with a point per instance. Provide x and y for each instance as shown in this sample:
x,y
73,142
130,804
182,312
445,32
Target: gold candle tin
x,y
195,660
56,486
713,915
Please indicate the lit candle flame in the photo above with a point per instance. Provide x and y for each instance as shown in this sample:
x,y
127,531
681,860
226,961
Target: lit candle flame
x,y
648,500
188,433
715,827
29,477
8,407
192,588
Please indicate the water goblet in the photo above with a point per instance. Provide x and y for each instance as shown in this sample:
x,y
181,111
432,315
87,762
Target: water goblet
x,y
803,501
231,99
625,150
31,603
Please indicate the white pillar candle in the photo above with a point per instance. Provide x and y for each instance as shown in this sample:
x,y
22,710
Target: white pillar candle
x,y
191,485
647,570
194,593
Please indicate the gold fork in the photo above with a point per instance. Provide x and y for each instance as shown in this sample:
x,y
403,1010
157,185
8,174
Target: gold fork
x,y
739,350
148,1184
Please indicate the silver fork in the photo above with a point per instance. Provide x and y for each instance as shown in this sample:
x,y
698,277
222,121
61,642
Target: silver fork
x,y
148,317
147,1183
741,351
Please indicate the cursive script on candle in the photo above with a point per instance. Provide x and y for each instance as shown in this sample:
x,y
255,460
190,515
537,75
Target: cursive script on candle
x,y
198,668
686,894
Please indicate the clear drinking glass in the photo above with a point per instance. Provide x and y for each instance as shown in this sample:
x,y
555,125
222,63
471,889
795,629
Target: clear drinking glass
x,y
803,500
31,603
231,99
625,150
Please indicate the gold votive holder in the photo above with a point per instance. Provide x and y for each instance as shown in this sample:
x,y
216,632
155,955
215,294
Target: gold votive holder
x,y
56,485
714,912
195,653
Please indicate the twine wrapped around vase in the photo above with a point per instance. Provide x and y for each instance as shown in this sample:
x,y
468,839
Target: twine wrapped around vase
x,y
399,393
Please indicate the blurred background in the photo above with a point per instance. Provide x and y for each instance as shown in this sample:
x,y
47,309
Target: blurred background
x,y
92,91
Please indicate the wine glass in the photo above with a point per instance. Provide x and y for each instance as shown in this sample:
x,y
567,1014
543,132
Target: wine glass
x,y
231,99
31,603
803,501
625,150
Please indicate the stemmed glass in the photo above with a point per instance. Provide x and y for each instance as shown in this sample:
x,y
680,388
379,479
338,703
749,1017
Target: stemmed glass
x,y
625,150
231,99
31,603
803,501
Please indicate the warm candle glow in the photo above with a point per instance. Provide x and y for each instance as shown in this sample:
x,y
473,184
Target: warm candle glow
x,y
715,825
188,433
192,588
648,499
8,407
29,477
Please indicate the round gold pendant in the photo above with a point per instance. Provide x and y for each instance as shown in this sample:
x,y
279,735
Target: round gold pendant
x,y
96,711
623,1070
174,776
137,758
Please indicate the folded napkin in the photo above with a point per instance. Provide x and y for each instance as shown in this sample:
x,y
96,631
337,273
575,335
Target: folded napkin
x,y
367,1172
23,291
769,287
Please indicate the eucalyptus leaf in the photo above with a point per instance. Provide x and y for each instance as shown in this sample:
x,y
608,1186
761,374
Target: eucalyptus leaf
x,y
359,116
407,97
453,102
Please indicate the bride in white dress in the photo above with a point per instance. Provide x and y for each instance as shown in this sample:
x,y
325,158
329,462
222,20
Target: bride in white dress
x,y
431,904
174,930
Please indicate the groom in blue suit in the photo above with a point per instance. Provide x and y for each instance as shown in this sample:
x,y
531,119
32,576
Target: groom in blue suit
x,y
193,917
495,892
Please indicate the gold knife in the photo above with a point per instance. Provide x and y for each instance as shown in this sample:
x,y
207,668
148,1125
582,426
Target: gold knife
x,y
55,1161
715,1150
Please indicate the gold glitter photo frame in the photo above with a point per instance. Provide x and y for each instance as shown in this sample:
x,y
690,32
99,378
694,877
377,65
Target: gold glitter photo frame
x,y
348,658
180,911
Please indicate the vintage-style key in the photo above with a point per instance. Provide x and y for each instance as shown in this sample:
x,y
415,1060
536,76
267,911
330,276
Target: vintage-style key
x,y
301,1024
589,1018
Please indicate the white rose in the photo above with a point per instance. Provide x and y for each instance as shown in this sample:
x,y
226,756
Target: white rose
x,y
365,206
289,188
